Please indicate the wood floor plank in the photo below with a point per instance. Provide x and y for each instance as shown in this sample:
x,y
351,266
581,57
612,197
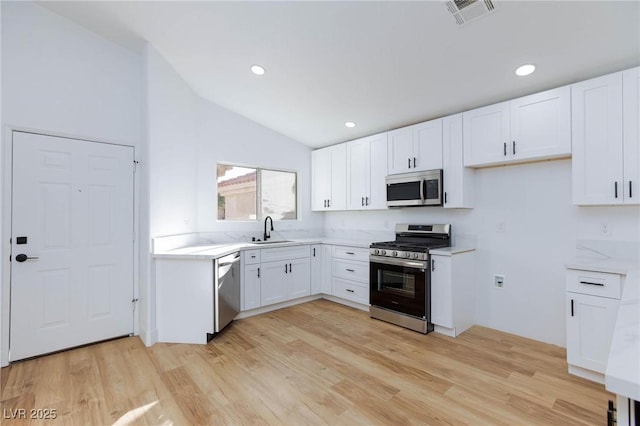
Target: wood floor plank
x,y
316,363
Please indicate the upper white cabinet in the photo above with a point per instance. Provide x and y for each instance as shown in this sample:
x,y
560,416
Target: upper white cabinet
x,y
605,139
366,172
530,128
329,174
458,180
415,148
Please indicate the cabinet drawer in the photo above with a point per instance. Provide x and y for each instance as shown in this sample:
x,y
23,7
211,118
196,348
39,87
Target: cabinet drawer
x,y
594,283
356,271
350,290
251,256
284,253
361,254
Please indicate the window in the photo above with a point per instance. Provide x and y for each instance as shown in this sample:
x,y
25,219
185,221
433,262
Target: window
x,y
246,193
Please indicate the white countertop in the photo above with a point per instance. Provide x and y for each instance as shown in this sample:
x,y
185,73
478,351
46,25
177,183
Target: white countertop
x,y
214,251
450,251
622,375
612,266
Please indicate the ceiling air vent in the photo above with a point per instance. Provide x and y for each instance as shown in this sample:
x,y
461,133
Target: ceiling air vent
x,y
465,11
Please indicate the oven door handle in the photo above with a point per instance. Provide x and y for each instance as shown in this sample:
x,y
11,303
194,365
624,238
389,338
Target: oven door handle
x,y
398,262
422,190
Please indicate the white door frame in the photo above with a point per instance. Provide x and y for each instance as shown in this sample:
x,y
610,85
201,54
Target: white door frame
x,y
6,185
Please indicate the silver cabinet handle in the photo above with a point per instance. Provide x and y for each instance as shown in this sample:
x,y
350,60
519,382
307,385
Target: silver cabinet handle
x,y
409,162
514,147
258,272
366,199
414,162
363,201
349,252
505,149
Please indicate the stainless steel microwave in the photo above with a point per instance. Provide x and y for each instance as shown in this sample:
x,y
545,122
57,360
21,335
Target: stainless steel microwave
x,y
415,189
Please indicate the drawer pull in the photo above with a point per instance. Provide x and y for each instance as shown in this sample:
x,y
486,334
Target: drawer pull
x,y
572,313
350,270
350,252
253,257
349,290
590,283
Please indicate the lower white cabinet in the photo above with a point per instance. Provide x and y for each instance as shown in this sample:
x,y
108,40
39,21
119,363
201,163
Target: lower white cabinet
x,y
350,273
317,275
184,300
592,307
275,275
452,291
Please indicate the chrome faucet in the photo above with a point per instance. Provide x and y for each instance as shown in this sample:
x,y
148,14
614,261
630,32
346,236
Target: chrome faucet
x,y
267,234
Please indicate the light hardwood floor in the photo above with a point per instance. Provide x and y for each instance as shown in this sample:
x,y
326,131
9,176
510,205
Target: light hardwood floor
x,y
316,363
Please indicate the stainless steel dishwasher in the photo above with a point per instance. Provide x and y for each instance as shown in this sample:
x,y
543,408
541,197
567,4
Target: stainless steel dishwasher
x,y
226,292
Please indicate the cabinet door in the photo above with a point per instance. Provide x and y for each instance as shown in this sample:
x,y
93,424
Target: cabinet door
x,y
320,178
427,146
590,323
316,269
441,293
326,268
338,177
273,280
541,125
299,278
486,135
251,287
596,107
358,173
378,172
457,178
400,151
631,139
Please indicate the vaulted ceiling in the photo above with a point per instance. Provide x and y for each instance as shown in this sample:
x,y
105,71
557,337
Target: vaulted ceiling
x,y
381,64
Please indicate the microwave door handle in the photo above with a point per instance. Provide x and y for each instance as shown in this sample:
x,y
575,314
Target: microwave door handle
x,y
422,182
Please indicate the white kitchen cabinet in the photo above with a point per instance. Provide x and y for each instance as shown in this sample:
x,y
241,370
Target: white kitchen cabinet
x,y
529,128
251,298
275,275
350,274
298,278
327,251
605,164
452,291
317,275
184,300
415,148
458,180
592,307
366,173
250,278
329,176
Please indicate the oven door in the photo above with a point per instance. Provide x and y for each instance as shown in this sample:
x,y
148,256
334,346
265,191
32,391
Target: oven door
x,y
400,285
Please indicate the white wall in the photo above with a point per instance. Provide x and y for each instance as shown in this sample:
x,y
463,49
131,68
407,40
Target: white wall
x,y
59,78
532,202
231,138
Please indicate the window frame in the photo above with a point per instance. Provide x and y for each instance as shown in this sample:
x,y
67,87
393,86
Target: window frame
x,y
259,213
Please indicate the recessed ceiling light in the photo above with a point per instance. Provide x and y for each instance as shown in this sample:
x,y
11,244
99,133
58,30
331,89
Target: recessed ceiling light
x,y
257,69
350,124
525,70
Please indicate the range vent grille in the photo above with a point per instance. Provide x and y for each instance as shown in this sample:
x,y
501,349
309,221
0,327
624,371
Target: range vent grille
x,y
465,11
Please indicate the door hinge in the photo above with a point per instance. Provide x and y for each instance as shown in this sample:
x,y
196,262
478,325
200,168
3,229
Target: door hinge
x,y
135,165
134,300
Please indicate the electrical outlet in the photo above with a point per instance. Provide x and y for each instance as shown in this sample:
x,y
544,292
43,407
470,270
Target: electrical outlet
x,y
605,230
498,281
501,228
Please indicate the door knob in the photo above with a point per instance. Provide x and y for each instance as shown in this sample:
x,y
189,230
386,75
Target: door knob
x,y
22,257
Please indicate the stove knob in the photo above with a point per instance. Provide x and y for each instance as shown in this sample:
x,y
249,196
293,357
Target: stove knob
x,y
416,255
376,251
383,252
407,254
395,253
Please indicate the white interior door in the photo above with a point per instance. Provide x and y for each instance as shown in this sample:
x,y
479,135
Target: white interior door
x,y
72,216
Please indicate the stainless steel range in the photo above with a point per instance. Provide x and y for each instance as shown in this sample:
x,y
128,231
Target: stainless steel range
x,y
400,275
